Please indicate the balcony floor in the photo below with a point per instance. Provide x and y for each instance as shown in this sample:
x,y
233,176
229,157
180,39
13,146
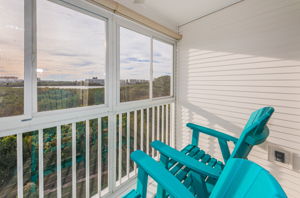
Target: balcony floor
x,y
151,189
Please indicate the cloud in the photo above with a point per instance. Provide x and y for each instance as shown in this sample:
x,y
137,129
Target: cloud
x,y
83,63
132,59
157,54
128,68
65,54
71,45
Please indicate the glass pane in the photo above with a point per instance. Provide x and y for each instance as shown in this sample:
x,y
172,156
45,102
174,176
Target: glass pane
x,y
134,65
71,58
162,68
31,164
11,58
8,166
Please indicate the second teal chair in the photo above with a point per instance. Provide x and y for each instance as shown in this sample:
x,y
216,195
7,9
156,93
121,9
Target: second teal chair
x,y
240,179
180,163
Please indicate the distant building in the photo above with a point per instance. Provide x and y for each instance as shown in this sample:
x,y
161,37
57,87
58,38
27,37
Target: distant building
x,y
95,81
8,78
10,81
132,81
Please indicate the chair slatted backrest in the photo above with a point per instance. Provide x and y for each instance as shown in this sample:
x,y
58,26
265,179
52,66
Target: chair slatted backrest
x,y
255,132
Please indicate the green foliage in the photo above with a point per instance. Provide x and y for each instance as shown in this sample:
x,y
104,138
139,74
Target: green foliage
x,y
55,98
12,98
161,86
11,101
8,157
134,92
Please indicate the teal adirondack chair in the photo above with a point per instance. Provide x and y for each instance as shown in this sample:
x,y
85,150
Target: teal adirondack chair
x,y
240,179
255,132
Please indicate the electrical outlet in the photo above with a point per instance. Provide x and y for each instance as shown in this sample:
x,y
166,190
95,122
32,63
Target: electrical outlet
x,y
280,156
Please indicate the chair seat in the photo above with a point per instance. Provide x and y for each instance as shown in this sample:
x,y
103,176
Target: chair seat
x,y
182,172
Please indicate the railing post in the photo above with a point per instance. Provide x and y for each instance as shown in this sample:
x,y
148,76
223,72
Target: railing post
x,y
172,125
74,189
112,154
58,162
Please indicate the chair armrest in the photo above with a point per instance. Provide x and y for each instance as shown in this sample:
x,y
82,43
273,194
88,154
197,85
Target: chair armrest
x,y
189,162
163,177
211,132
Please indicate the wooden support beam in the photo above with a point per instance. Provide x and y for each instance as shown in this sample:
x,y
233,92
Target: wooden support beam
x,y
130,14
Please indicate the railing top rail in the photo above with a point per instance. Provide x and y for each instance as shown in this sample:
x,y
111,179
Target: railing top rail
x,y
51,120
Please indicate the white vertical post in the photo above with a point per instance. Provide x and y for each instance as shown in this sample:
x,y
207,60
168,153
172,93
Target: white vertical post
x,y
20,164
142,130
99,156
58,153
128,144
153,128
112,152
135,135
167,124
172,125
163,123
147,138
29,57
120,147
41,164
74,160
87,158
158,123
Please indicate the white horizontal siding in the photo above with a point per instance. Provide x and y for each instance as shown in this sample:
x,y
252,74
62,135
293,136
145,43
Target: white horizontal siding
x,y
238,60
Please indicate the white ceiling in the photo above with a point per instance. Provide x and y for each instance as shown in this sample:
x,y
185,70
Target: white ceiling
x,y
173,13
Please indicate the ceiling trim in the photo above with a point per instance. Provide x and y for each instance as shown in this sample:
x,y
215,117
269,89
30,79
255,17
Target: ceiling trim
x,y
129,13
200,17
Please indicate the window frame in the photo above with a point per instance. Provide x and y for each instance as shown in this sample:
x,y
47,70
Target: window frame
x,y
172,90
27,95
153,35
86,9
30,65
112,78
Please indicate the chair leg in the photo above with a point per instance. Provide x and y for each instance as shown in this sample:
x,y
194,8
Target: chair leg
x,y
198,185
161,193
142,182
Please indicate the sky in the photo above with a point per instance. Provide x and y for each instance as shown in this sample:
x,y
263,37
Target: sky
x,y
11,38
72,45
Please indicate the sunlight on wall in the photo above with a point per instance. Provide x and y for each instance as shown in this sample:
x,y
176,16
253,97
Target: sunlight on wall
x,y
222,89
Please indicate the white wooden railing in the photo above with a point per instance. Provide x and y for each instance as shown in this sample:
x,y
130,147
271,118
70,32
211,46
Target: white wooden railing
x,y
64,159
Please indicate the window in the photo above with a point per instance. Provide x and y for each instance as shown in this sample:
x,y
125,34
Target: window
x,y
135,59
162,68
11,58
135,67
71,58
